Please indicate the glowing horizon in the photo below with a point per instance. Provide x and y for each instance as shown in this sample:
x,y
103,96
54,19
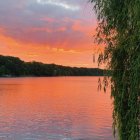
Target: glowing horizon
x,y
48,31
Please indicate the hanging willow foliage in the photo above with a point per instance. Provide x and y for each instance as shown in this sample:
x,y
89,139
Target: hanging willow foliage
x,y
119,30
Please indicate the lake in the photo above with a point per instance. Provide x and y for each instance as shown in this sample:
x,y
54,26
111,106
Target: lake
x,y
57,108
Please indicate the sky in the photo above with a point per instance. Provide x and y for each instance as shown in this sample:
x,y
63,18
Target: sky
x,y
49,31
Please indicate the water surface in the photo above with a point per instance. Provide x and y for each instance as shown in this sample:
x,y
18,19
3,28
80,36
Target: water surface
x,y
62,108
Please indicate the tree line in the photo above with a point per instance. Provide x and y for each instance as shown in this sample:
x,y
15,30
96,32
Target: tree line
x,y
13,66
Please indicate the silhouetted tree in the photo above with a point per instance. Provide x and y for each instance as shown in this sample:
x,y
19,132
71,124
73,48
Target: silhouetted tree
x,y
13,66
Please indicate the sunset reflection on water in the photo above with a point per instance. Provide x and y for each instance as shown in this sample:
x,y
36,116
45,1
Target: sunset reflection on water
x,y
62,108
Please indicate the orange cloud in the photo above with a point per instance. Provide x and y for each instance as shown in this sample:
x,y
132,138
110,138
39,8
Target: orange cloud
x,y
44,53
44,29
80,56
43,34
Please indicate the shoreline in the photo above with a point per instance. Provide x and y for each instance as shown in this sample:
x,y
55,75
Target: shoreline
x,y
51,76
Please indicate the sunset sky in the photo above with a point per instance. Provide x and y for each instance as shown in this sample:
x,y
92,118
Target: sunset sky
x,y
49,31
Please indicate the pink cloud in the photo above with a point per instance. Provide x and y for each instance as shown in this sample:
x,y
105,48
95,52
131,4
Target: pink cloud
x,y
47,19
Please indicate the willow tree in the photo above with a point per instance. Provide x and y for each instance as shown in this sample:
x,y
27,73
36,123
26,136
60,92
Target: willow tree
x,y
119,30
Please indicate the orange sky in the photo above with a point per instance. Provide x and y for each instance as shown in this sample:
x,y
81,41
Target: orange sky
x,y
50,31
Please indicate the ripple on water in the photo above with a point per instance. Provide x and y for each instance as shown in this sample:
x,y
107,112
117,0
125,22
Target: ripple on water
x,y
54,109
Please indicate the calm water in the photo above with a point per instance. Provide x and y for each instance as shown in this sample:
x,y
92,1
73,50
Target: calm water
x,y
63,108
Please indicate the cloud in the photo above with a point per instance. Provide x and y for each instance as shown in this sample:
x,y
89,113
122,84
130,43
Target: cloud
x,y
59,4
53,24
41,24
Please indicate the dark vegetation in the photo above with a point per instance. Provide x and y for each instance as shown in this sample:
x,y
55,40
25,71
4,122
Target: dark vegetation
x,y
13,66
119,31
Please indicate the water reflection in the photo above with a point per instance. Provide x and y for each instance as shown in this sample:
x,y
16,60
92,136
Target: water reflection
x,y
54,109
